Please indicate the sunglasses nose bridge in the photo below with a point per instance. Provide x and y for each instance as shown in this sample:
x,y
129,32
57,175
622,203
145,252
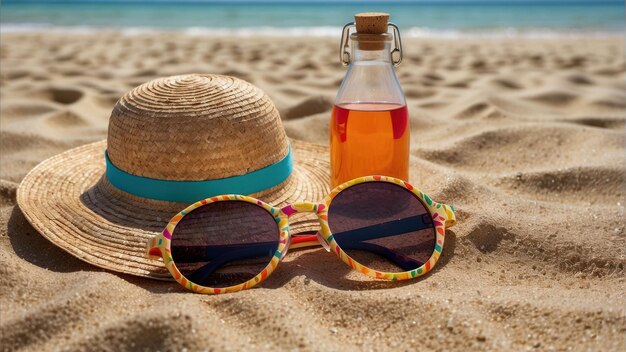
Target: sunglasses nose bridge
x,y
302,207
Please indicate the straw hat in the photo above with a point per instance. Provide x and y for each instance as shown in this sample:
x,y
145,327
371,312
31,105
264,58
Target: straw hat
x,y
177,131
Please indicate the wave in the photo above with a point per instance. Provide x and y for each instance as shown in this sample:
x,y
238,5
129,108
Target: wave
x,y
325,31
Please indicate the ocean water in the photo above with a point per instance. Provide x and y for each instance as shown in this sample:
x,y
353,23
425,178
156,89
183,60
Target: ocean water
x,y
416,18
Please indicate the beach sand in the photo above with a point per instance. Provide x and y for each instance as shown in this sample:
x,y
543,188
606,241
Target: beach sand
x,y
525,137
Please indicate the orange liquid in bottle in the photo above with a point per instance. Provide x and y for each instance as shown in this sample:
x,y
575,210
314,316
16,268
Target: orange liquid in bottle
x,y
369,139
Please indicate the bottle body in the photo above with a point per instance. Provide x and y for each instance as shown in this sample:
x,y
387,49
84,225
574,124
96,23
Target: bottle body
x,y
369,130
369,139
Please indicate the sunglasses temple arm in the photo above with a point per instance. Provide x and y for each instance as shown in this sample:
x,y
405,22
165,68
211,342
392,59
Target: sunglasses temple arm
x,y
450,216
152,248
447,213
195,254
386,229
353,239
404,262
250,251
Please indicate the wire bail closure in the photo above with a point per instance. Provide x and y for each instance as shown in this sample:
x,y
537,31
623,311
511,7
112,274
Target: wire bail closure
x,y
344,46
344,53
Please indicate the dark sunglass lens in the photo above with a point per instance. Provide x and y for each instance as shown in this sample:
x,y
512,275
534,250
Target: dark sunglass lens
x,y
224,243
382,226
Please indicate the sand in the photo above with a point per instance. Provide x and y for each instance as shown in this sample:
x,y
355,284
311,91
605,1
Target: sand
x,y
525,137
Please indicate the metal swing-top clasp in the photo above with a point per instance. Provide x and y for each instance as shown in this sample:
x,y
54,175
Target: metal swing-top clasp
x,y
344,47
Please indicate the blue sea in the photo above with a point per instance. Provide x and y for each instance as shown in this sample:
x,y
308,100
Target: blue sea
x,y
448,18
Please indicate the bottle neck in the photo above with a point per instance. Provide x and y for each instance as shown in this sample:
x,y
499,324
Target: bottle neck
x,y
368,51
371,78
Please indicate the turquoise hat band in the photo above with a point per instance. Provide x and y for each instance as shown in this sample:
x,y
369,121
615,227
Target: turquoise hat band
x,y
192,191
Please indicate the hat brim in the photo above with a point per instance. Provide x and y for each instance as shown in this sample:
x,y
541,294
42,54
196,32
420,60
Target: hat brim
x,y
68,200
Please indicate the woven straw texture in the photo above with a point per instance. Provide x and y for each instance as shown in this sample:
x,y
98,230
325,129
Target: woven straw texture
x,y
209,127
216,127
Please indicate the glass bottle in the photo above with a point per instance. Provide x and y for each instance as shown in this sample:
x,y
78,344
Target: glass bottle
x,y
369,131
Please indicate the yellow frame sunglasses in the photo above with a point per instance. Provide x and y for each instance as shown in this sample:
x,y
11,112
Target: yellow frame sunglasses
x,y
441,217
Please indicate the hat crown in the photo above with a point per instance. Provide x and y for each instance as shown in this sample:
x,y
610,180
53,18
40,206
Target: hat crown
x,y
195,127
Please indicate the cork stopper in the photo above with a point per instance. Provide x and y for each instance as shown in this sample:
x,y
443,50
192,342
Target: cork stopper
x,y
371,30
371,22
